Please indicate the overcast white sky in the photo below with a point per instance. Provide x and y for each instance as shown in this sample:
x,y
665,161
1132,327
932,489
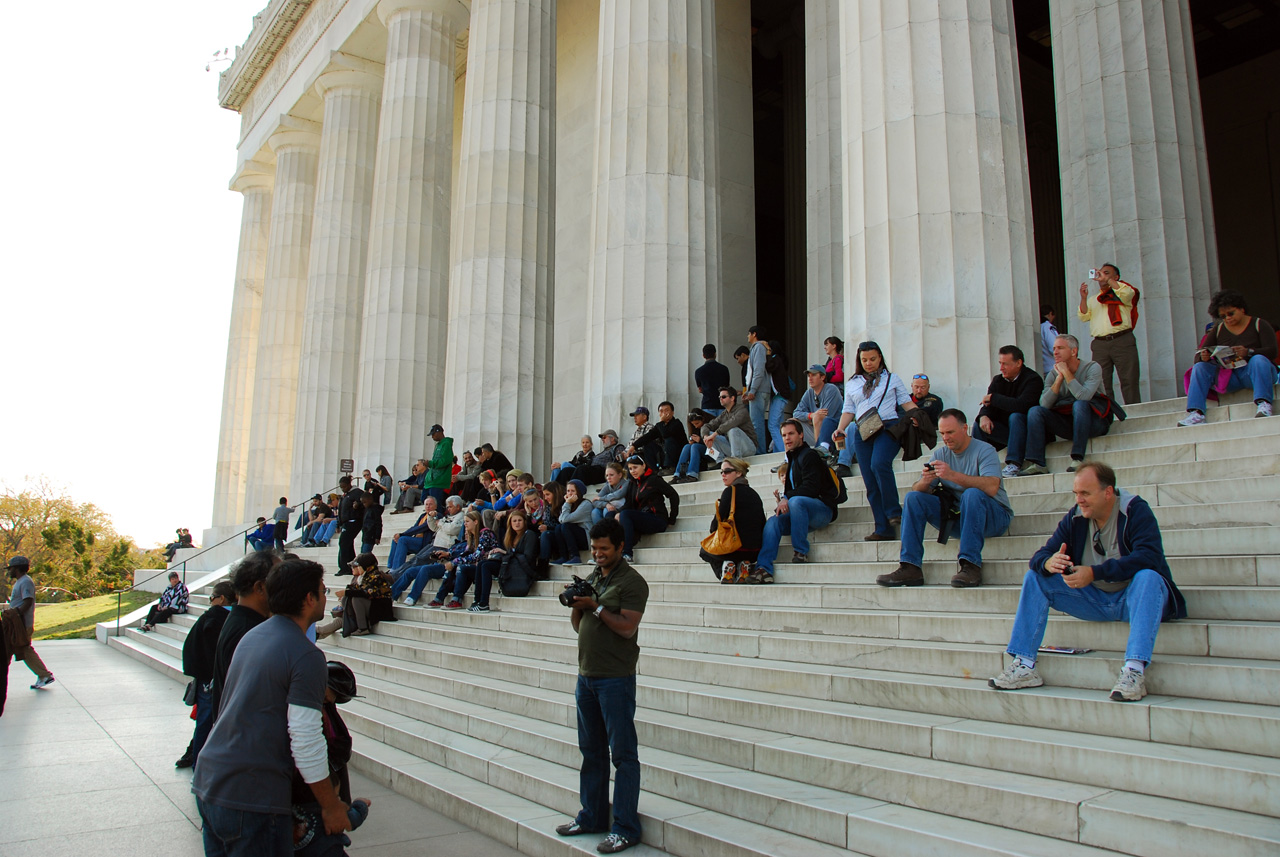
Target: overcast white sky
x,y
118,236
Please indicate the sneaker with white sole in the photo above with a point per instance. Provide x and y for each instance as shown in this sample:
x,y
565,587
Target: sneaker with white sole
x,y
1264,409
614,842
1131,687
42,682
478,608
1031,468
1009,471
1015,677
409,602
1194,418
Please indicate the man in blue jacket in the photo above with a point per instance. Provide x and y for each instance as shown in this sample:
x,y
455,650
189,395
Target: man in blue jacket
x,y
1104,563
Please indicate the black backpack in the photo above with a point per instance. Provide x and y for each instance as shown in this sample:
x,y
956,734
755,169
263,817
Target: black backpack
x,y
516,577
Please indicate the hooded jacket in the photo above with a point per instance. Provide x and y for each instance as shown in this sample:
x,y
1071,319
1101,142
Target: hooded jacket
x,y
646,495
1140,548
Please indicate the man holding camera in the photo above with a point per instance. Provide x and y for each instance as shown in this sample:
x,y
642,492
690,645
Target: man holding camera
x,y
1111,314
607,617
963,475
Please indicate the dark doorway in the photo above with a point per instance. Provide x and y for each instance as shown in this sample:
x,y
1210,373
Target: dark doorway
x,y
777,82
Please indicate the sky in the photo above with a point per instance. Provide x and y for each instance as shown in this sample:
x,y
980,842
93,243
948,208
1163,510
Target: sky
x,y
118,245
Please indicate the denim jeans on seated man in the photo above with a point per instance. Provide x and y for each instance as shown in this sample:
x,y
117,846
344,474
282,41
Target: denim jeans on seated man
x,y
1078,426
1012,435
1259,374
419,576
401,548
1141,604
607,731
803,516
240,833
981,518
829,425
734,442
690,461
758,408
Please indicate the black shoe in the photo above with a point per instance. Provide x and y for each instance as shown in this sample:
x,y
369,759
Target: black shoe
x,y
574,829
185,762
843,471
799,557
906,574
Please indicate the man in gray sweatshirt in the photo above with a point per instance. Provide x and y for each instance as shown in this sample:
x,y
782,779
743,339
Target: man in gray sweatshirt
x,y
1072,406
758,392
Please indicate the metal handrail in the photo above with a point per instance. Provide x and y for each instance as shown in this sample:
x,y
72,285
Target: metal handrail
x,y
168,570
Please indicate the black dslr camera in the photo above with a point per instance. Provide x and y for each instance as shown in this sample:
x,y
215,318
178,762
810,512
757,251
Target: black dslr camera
x,y
578,589
950,509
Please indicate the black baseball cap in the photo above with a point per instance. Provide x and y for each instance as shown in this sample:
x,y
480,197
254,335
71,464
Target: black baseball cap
x,y
19,562
436,428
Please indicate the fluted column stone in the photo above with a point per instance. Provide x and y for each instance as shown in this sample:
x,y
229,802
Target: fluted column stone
x,y
254,182
654,272
405,324
275,388
499,359
823,179
939,248
1135,179
352,92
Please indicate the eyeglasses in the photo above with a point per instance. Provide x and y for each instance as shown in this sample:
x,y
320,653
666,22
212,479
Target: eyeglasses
x,y
1097,543
919,377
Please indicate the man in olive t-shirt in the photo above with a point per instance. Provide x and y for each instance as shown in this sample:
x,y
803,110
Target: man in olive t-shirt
x,y
608,650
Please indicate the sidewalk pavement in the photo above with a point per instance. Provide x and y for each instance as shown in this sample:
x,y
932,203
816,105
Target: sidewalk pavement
x,y
88,769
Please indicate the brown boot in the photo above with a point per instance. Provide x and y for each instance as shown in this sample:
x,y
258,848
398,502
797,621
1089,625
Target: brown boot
x,y
968,575
906,575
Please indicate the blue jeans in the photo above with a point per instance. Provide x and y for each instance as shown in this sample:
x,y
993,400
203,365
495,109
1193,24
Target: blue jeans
x,y
420,575
238,833
776,404
690,462
636,523
981,518
715,412
758,408
1077,427
1141,604
366,547
204,719
547,543
259,544
607,730
401,548
1013,435
825,430
1259,373
804,515
571,540
875,460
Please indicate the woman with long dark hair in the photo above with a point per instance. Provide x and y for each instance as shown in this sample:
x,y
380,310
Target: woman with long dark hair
x,y
873,389
834,346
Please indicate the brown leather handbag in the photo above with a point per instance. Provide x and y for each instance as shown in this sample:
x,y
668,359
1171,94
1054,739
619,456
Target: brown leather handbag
x,y
725,539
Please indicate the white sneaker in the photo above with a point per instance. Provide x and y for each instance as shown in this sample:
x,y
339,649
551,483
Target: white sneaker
x,y
1009,471
1131,687
1264,409
409,602
1015,677
1195,418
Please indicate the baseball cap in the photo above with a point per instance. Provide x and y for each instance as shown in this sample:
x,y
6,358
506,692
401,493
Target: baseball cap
x,y
609,433
19,562
817,367
435,428
640,410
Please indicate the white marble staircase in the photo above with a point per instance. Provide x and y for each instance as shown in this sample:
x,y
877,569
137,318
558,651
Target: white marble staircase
x,y
826,715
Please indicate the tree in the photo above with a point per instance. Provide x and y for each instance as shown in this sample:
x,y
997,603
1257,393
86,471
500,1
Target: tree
x,y
75,551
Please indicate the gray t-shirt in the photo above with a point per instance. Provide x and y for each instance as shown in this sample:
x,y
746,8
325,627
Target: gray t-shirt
x,y
978,459
24,588
247,762
282,514
1108,538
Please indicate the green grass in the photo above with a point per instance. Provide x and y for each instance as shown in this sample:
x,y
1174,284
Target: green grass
x,y
75,620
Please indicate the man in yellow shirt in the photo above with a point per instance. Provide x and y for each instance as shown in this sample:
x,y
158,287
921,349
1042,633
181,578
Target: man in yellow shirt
x,y
1111,314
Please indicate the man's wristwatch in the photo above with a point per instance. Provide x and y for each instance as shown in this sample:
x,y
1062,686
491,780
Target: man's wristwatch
x,y
599,609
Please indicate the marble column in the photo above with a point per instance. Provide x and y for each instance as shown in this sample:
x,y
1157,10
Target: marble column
x,y
1135,181
823,171
654,273
275,386
939,249
499,358
405,325
352,90
253,181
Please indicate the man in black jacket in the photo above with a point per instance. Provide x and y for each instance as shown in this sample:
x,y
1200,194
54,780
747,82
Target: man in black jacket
x,y
663,441
350,520
198,652
809,501
249,580
1003,416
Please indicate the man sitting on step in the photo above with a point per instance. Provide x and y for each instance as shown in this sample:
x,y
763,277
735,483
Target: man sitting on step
x,y
1002,419
731,433
963,474
1104,563
809,502
1072,406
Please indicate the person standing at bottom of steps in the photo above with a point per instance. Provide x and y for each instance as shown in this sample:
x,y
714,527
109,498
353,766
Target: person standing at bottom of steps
x,y
22,597
350,520
1104,563
198,653
607,624
249,580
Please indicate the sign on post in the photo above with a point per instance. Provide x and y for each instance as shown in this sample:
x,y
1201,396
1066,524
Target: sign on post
x,y
347,466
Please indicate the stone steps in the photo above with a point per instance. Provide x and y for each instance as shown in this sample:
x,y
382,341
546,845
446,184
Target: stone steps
x,y
826,713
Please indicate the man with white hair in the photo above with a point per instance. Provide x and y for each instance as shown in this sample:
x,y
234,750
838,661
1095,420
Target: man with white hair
x,y
1072,406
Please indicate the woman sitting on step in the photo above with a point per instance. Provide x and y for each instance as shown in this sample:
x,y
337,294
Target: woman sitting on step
x,y
366,600
1250,361
646,511
690,463
740,501
478,541
575,523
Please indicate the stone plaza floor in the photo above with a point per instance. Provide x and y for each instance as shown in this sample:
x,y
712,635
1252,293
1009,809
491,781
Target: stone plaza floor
x,y
86,767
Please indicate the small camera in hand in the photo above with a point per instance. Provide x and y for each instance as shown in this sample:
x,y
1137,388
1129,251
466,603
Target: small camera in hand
x,y
578,589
